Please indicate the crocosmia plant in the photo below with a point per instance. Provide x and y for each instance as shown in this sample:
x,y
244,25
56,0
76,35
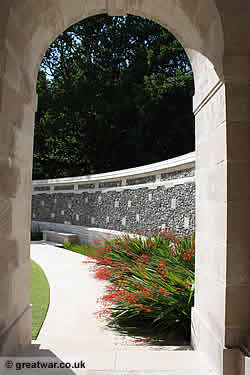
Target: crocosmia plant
x,y
150,286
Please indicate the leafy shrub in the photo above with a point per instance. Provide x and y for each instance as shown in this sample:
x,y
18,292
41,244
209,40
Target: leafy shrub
x,y
80,249
151,285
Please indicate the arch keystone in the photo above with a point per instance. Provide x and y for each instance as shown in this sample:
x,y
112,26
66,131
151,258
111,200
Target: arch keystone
x,y
117,7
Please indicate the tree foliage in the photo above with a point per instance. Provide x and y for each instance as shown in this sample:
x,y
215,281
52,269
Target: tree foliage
x,y
114,93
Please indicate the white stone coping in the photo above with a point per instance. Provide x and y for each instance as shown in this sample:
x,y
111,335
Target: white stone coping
x,y
171,165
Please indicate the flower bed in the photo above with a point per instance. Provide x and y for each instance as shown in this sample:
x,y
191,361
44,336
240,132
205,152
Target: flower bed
x,y
151,286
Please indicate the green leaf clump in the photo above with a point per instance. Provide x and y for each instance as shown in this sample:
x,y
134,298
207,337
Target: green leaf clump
x,y
151,288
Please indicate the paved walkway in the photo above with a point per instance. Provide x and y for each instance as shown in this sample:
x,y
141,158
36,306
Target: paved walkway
x,y
72,333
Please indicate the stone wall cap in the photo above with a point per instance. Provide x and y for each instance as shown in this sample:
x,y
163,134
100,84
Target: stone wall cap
x,y
170,165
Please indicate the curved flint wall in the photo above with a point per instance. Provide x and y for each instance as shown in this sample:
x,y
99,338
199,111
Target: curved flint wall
x,y
156,196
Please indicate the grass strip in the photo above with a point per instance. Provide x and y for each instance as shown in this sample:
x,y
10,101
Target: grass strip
x,y
39,297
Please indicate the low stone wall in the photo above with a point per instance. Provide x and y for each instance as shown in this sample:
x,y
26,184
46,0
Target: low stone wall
x,y
157,196
86,235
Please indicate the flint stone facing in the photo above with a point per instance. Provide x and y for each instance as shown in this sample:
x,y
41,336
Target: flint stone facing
x,y
64,187
109,184
151,213
42,188
141,180
179,174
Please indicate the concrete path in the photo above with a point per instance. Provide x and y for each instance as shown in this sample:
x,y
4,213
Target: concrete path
x,y
71,333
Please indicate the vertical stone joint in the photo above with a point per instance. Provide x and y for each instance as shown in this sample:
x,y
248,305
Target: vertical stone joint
x,y
117,7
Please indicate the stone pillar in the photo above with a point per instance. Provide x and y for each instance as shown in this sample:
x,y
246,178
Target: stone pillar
x,y
237,308
16,147
220,317
208,315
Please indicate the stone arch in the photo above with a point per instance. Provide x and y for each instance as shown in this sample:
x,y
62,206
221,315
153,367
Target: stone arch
x,y
191,24
212,39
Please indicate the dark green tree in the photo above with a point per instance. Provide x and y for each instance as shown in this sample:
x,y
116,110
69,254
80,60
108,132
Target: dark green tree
x,y
114,93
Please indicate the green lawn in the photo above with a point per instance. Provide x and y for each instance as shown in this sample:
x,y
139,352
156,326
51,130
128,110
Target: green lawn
x,y
39,297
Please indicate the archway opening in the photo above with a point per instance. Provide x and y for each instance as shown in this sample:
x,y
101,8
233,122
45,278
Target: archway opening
x,y
116,92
